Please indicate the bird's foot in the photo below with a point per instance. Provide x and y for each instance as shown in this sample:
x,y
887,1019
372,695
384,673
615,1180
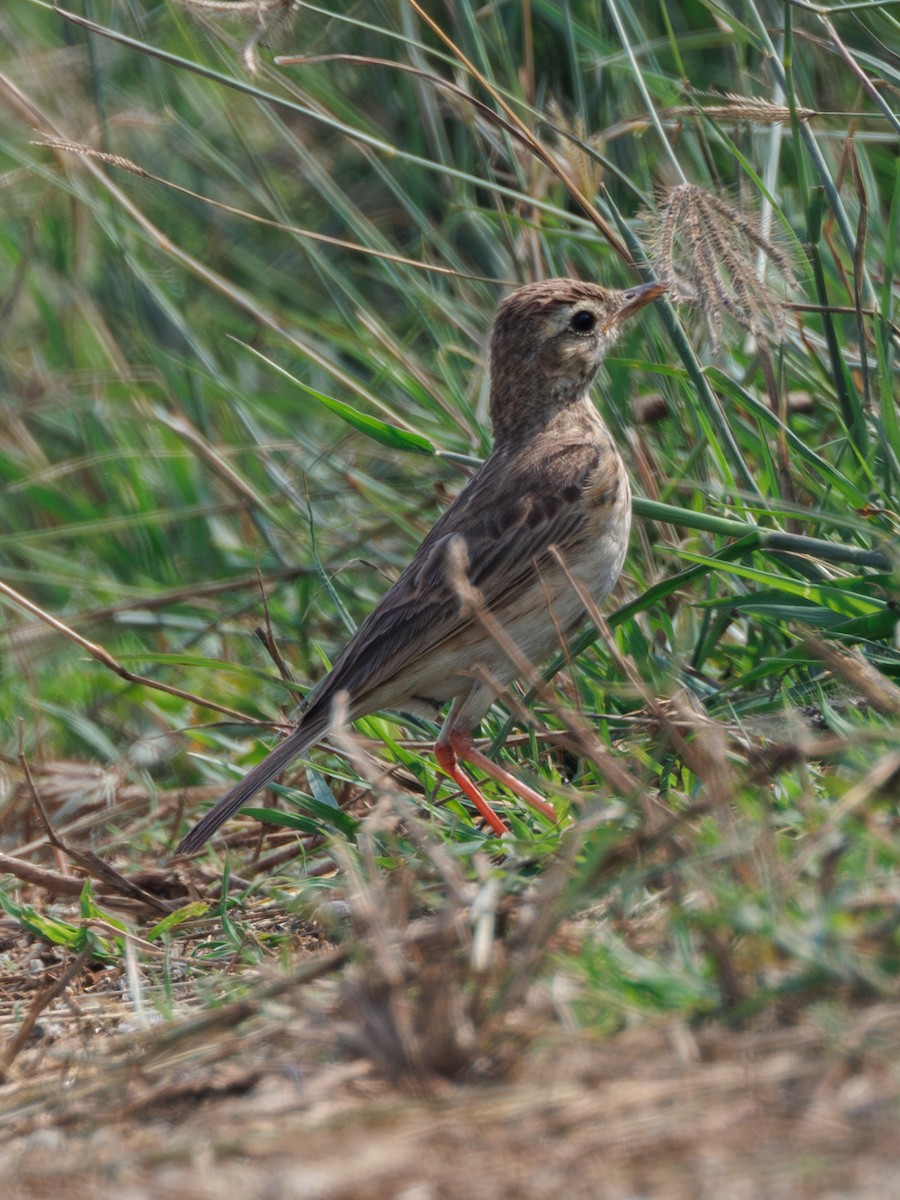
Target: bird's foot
x,y
459,746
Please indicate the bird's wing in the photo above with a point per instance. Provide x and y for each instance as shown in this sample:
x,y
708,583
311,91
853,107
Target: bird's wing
x,y
508,517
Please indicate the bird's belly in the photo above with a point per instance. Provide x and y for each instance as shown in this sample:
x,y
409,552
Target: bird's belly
x,y
537,621
554,608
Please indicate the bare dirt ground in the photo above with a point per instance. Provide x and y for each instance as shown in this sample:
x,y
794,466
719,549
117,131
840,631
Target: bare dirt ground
x,y
259,1098
276,1083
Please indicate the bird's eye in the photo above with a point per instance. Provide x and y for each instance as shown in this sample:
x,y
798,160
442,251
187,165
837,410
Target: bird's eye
x,y
583,321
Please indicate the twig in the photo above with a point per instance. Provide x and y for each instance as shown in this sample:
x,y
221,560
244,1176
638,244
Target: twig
x,y
103,656
94,865
41,1000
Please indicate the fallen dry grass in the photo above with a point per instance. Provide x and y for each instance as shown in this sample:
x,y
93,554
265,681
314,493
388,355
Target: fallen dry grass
x,y
256,1100
410,1061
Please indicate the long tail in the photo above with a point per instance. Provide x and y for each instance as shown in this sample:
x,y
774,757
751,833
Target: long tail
x,y
307,733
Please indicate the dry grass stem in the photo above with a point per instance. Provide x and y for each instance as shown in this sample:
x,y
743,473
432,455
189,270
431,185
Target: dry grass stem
x,y
413,1005
574,146
114,160
731,107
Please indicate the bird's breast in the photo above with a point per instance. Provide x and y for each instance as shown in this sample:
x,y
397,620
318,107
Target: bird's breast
x,y
607,500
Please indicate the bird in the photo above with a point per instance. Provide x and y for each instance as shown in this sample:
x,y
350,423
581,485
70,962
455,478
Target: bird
x,y
496,581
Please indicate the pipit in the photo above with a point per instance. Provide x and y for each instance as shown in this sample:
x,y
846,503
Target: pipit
x,y
491,586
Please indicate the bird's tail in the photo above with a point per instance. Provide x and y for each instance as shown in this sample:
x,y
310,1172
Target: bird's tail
x,y
308,732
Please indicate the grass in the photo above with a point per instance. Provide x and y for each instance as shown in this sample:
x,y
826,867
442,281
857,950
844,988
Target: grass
x,y
241,383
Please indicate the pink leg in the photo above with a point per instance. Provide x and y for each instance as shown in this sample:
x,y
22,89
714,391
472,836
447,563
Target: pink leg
x,y
446,757
459,745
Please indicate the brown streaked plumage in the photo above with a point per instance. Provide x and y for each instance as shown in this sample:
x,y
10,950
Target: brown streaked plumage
x,y
553,485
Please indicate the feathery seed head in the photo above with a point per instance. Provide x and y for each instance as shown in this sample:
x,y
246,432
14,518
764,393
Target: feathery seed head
x,y
707,251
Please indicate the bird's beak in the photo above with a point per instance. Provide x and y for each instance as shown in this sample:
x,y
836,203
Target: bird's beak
x,y
636,298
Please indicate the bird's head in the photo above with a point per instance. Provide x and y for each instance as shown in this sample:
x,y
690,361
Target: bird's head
x,y
548,340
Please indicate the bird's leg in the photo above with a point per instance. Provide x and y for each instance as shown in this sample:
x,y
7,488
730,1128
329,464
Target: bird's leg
x,y
465,748
447,761
455,744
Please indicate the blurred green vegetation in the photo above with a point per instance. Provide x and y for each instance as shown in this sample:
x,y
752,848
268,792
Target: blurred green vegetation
x,y
157,471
